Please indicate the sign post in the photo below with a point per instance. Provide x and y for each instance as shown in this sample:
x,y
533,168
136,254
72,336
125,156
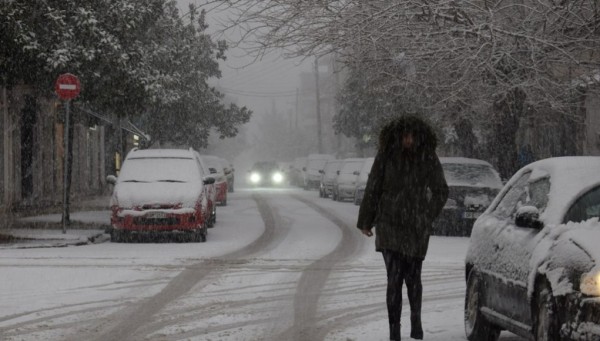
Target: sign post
x,y
67,87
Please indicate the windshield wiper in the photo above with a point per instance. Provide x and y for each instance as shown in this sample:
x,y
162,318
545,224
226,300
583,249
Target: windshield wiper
x,y
169,181
133,181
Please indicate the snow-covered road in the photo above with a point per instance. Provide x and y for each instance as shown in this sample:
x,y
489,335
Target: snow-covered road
x,y
281,264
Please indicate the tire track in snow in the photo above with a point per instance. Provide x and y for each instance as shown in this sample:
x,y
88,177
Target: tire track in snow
x,y
314,277
124,324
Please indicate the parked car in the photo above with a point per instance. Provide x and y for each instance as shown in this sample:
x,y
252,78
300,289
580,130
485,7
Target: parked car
x,y
345,183
297,173
266,173
229,174
218,172
361,181
328,176
472,184
315,163
160,192
533,263
210,193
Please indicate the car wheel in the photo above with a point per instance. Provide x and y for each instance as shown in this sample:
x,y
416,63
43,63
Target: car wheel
x,y
545,321
477,328
115,236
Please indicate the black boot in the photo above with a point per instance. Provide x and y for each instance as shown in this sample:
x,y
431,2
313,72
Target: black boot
x,y
416,330
395,331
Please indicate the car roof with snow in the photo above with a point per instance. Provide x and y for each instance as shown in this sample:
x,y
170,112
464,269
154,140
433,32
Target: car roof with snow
x,y
570,177
161,153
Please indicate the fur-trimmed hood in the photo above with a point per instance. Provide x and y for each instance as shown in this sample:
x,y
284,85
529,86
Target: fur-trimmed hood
x,y
391,134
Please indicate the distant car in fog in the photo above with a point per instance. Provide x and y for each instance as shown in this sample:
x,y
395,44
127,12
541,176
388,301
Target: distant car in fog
x,y
229,174
160,192
473,184
328,175
217,171
361,181
344,184
297,172
265,173
315,163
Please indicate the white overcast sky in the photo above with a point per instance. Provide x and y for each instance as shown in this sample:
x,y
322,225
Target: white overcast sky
x,y
255,83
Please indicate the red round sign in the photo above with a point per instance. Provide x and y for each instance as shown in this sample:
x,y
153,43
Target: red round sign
x,y
67,86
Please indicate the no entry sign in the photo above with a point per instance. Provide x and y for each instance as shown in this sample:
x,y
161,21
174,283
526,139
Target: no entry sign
x,y
67,86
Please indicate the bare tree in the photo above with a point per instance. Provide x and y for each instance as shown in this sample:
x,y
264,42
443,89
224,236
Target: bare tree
x,y
498,60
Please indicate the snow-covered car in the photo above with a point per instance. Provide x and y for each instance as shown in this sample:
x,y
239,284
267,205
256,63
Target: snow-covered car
x,y
344,183
210,191
296,172
315,163
218,172
327,176
533,263
265,173
229,174
160,192
472,185
361,181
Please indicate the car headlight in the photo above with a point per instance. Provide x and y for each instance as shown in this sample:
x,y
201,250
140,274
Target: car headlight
x,y
590,284
255,178
277,178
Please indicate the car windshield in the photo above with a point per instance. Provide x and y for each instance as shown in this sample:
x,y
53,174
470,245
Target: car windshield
x,y
471,174
265,167
351,167
317,164
159,169
332,167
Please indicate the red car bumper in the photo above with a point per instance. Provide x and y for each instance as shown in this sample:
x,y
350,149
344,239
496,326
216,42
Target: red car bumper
x,y
156,220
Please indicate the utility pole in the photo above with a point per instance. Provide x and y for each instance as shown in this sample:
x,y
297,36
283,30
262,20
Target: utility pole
x,y
319,137
297,100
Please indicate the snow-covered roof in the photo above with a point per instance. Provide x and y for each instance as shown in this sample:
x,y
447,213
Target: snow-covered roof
x,y
160,153
463,160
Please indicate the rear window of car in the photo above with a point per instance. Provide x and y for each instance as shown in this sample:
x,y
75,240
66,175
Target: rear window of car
x,y
471,174
351,167
160,169
586,207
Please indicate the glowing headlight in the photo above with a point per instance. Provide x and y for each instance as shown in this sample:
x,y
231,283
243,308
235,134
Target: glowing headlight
x,y
590,284
255,178
277,178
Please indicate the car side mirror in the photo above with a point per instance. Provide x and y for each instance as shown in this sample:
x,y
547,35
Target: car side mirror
x,y
356,173
111,179
321,171
304,169
209,180
529,217
337,172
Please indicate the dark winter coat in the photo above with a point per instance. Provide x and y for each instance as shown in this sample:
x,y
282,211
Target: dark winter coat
x,y
405,191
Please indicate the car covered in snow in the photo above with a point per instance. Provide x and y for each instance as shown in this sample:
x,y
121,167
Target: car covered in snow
x,y
533,263
315,163
344,183
361,181
160,193
328,174
229,174
265,173
217,171
472,185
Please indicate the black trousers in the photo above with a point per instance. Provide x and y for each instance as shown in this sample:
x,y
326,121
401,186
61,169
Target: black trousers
x,y
402,269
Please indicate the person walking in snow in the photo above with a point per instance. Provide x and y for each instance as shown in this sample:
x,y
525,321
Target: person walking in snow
x,y
405,192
